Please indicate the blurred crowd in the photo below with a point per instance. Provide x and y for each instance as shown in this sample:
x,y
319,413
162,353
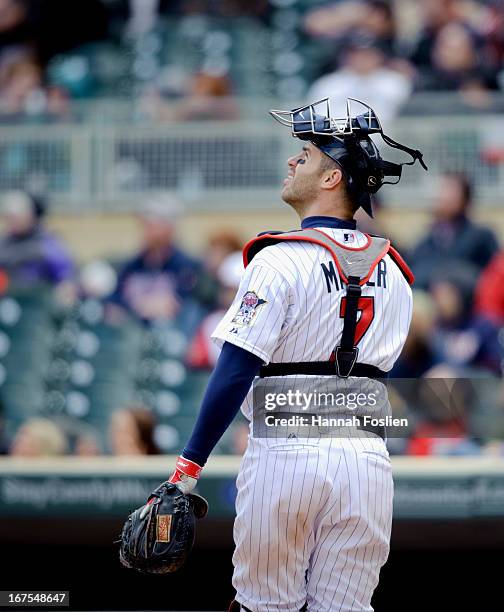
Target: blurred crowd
x,y
457,331
159,288
387,51
383,51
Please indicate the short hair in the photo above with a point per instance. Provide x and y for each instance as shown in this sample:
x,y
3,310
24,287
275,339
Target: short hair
x,y
382,5
145,423
49,436
327,163
465,184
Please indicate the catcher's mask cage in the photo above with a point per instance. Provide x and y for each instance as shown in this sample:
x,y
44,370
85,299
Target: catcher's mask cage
x,y
347,141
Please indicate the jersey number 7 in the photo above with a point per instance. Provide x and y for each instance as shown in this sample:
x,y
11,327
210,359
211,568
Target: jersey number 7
x,y
365,306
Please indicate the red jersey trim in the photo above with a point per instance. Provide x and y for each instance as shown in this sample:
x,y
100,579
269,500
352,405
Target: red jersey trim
x,y
402,265
280,238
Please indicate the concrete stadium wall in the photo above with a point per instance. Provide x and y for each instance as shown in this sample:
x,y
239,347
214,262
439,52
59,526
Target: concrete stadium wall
x,y
117,235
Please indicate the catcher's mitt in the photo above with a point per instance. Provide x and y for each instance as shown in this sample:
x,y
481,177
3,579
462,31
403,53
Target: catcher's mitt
x,y
158,537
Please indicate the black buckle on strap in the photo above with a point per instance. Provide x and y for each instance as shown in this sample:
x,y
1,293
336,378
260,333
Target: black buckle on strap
x,y
353,287
345,361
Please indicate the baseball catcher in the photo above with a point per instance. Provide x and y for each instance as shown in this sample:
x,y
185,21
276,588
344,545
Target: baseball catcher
x,y
313,513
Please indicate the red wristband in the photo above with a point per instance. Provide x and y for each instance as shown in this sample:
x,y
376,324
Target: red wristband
x,y
187,467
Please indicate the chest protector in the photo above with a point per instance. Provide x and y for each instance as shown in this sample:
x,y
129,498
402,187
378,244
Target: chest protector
x,y
355,267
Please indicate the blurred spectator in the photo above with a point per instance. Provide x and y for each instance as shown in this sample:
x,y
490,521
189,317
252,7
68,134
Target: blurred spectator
x,y
219,245
435,14
490,291
87,445
162,281
202,352
364,75
456,63
444,406
29,254
23,91
337,20
379,20
13,16
20,77
84,440
30,35
39,437
461,339
131,432
453,237
207,96
417,356
97,279
376,225
493,32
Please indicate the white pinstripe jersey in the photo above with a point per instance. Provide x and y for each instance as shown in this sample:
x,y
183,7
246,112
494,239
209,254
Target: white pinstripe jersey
x,y
313,515
289,306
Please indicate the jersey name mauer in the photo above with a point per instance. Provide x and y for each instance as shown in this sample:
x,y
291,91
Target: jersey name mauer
x,y
300,317
333,281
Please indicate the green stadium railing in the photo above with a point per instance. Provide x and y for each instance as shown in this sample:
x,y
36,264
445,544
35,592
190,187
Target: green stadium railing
x,y
212,165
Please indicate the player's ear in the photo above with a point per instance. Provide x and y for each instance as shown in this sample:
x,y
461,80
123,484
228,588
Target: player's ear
x,y
331,178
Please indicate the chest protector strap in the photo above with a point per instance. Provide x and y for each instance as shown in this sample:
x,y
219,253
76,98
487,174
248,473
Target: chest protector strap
x,y
355,267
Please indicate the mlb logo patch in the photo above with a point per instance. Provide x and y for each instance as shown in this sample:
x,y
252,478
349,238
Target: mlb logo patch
x,y
248,308
348,238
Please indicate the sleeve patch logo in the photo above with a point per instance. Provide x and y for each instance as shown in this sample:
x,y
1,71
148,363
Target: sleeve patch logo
x,y
248,308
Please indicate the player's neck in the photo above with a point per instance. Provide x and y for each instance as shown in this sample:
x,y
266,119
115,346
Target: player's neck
x,y
323,209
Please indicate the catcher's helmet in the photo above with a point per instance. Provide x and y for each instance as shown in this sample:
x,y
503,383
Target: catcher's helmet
x,y
348,142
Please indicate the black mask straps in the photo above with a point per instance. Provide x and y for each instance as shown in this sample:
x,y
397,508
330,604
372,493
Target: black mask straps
x,y
415,153
391,169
